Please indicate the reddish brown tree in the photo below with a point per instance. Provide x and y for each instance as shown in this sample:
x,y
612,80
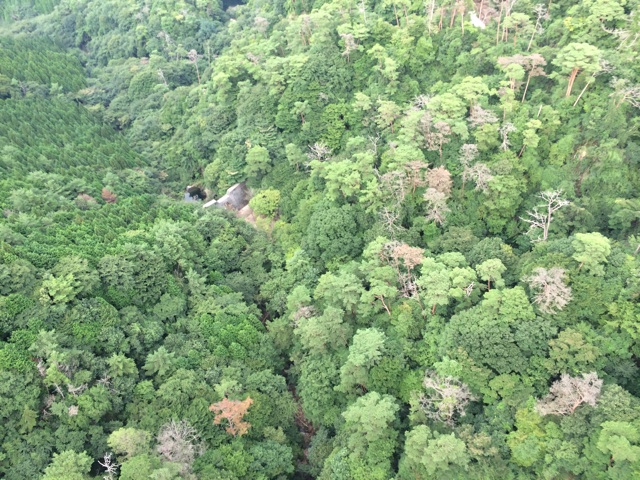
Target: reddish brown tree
x,y
403,258
108,196
440,179
232,411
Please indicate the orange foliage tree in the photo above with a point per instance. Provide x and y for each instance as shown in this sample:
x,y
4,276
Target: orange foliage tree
x,y
108,196
232,411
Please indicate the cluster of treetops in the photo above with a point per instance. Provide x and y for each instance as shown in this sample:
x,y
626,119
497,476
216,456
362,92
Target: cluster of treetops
x,y
442,279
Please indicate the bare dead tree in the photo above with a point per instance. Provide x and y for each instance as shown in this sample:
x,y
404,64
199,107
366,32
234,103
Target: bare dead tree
x,y
624,35
469,289
165,36
254,59
162,77
541,13
629,94
468,153
193,57
42,368
440,180
568,393
542,220
350,44
507,16
261,24
552,292
179,442
319,151
394,184
105,381
442,135
73,410
58,390
481,175
306,28
304,312
435,134
374,142
75,391
110,465
478,116
505,130
389,219
430,8
362,8
403,258
445,399
416,173
437,208
421,101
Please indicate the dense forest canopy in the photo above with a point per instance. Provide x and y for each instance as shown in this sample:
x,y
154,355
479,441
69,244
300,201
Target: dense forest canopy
x,y
437,276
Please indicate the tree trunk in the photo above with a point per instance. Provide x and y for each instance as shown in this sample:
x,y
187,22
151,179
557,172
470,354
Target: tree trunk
x,y
580,96
431,11
526,87
572,78
433,309
521,151
499,20
396,14
533,34
381,298
547,223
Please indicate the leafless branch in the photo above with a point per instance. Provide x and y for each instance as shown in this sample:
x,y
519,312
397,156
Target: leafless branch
x,y
569,393
445,399
552,293
542,220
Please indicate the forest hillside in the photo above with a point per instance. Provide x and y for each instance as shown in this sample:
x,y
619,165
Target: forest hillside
x,y
437,275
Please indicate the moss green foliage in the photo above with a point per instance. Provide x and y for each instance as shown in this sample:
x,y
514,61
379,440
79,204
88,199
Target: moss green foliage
x,y
266,203
34,62
446,283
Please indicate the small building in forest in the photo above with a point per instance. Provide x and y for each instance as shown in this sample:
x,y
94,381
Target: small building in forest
x,y
236,198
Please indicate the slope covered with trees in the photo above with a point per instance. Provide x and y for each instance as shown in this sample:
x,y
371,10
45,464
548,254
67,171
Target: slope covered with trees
x,y
442,279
